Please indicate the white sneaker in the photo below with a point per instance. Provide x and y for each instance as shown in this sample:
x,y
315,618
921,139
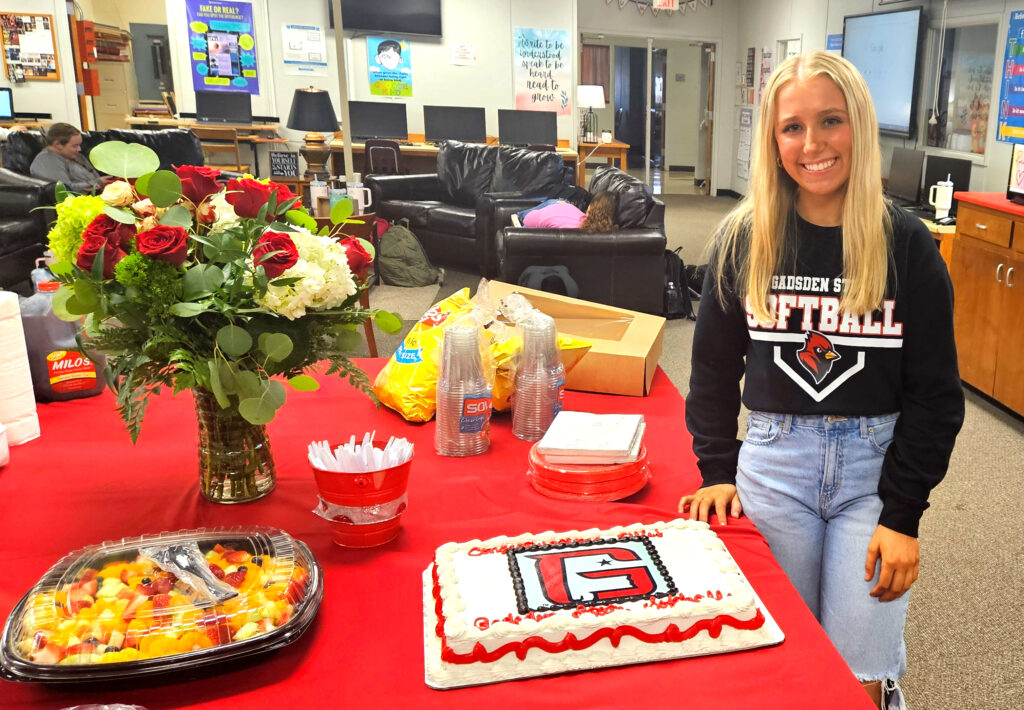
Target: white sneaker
x,y
892,696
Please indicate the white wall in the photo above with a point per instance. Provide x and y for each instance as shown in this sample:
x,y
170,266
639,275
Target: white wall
x,y
59,98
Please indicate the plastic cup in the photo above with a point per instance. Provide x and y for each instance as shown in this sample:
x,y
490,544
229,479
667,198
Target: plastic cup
x,y
361,491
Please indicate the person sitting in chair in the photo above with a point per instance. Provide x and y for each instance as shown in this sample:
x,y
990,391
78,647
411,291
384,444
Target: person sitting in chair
x,y
62,160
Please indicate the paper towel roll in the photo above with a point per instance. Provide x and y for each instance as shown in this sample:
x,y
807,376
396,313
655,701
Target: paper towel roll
x,y
17,401
5,454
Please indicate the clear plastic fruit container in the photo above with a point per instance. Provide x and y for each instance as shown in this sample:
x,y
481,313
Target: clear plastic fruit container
x,y
162,603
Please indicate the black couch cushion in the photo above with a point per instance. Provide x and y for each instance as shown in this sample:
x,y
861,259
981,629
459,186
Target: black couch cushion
x,y
528,171
453,220
20,150
415,211
635,200
465,171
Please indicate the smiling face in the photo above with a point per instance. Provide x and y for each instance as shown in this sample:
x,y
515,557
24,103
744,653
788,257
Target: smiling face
x,y
815,142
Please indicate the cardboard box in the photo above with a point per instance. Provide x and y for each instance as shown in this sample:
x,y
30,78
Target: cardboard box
x,y
626,344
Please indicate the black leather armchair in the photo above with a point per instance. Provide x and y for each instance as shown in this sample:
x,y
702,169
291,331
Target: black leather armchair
x,y
624,268
23,228
449,210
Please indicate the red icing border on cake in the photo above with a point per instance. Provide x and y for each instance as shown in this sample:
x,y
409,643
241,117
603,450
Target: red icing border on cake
x,y
570,642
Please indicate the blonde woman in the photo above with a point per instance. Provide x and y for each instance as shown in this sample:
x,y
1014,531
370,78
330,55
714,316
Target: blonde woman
x,y
837,311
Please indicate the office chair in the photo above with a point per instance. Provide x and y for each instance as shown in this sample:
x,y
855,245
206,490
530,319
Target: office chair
x,y
382,157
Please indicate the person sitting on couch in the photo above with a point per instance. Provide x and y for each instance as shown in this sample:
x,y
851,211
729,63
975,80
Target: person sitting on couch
x,y
559,214
62,160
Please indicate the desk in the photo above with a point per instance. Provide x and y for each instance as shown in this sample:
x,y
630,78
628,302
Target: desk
x,y
611,151
944,235
252,134
417,158
365,649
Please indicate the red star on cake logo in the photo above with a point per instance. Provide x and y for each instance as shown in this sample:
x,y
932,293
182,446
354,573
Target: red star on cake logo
x,y
817,355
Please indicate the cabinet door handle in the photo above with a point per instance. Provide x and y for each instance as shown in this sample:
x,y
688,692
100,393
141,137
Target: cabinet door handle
x,y
999,270
1009,277
982,227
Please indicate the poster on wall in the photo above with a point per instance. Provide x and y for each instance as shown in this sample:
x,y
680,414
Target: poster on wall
x,y
304,50
389,61
1011,90
542,69
223,48
29,47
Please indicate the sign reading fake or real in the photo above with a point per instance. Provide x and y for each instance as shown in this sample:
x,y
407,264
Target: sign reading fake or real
x,y
389,61
222,45
542,69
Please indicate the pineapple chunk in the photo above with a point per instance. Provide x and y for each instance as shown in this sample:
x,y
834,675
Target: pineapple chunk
x,y
247,631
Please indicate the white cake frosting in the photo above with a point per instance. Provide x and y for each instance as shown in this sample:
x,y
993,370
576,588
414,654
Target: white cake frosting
x,y
692,600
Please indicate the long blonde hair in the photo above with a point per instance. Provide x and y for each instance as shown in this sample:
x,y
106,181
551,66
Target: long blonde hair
x,y
751,239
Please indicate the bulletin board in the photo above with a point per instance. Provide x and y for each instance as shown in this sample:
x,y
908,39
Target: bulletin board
x,y
29,46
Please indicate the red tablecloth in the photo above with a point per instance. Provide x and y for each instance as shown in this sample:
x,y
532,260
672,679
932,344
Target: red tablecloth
x,y
83,482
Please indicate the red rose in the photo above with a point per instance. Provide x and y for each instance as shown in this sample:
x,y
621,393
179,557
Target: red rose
x,y
164,243
91,247
276,264
246,196
197,182
359,259
118,234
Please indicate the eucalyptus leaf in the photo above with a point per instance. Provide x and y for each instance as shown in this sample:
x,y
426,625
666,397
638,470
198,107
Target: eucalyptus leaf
x,y
86,294
188,310
164,188
274,392
276,346
304,383
233,340
177,216
119,214
256,410
217,387
368,247
127,160
142,184
248,384
347,340
341,211
61,268
387,321
60,304
60,192
227,377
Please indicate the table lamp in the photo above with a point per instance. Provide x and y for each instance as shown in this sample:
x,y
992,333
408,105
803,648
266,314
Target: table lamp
x,y
313,112
591,96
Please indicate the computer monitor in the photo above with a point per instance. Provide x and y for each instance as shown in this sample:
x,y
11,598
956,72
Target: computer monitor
x,y
527,127
6,104
460,123
377,119
223,107
938,167
1015,182
905,175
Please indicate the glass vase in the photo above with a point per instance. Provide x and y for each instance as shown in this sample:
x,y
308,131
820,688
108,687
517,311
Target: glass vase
x,y
235,462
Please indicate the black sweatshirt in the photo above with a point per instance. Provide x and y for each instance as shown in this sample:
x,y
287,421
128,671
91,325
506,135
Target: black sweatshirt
x,y
901,358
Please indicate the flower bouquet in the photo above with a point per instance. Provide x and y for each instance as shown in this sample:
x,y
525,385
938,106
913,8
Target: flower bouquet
x,y
225,289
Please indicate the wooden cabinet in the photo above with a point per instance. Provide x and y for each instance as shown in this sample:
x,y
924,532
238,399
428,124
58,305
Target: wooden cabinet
x,y
118,91
987,270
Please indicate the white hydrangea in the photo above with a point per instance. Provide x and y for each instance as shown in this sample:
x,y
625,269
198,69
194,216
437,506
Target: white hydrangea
x,y
326,280
226,217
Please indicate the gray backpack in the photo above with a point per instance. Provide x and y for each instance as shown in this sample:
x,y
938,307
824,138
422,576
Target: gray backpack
x,y
401,260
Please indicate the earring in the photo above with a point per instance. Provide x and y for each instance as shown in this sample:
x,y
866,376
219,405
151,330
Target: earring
x,y
778,161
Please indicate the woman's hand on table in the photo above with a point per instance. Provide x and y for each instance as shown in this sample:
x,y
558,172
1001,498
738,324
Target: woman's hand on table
x,y
900,557
721,497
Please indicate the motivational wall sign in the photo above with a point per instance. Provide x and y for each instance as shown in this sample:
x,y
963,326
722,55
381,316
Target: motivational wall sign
x,y
284,163
543,77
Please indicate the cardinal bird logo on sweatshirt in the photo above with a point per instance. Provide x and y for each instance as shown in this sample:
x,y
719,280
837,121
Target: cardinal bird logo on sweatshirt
x,y
817,355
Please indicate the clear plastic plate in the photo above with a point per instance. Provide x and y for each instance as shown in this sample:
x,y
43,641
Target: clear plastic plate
x,y
160,603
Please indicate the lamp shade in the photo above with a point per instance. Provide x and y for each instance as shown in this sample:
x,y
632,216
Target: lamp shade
x,y
590,96
312,111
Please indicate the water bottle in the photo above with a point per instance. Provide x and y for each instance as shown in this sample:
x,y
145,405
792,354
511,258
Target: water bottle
x,y
463,396
540,381
59,371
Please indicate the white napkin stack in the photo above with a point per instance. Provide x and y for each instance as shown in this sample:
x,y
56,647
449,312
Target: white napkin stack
x,y
17,401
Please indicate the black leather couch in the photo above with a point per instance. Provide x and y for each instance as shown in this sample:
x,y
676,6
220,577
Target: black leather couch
x,y
624,268
23,228
449,211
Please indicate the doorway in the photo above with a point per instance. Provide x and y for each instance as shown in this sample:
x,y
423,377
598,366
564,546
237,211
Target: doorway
x,y
630,103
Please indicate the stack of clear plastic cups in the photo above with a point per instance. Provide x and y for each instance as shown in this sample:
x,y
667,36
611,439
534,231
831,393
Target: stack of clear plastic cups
x,y
540,380
463,396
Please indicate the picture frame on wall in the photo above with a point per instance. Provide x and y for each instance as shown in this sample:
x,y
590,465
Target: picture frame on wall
x,y
28,44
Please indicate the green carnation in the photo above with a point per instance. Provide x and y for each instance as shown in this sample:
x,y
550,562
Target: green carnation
x,y
73,215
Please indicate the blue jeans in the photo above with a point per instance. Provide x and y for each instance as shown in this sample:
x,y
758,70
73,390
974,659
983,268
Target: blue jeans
x,y
810,485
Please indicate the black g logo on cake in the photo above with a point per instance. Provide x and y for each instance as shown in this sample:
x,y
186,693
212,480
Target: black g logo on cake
x,y
588,573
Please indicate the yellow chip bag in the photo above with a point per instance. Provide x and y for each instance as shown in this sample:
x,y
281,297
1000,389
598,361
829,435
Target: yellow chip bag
x,y
408,383
570,350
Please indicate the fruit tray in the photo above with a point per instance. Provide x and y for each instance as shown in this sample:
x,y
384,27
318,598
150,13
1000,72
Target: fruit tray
x,y
162,603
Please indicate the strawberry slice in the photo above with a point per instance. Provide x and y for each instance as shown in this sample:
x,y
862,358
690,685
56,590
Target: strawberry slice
x,y
51,653
129,611
235,579
161,601
237,556
217,570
